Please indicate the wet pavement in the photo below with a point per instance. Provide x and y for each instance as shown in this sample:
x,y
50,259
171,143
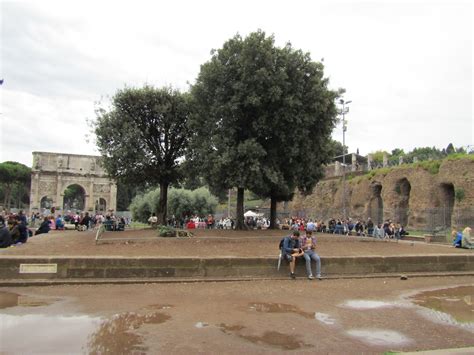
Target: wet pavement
x,y
337,316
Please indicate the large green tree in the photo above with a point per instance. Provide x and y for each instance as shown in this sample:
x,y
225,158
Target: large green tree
x,y
15,180
263,117
142,137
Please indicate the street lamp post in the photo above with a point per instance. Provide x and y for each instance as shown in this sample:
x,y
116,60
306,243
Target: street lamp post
x,y
343,112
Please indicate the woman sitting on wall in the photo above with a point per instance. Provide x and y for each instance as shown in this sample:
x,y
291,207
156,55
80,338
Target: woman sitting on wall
x,y
467,241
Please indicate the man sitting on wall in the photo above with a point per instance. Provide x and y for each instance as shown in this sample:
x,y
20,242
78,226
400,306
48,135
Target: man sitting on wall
x,y
291,250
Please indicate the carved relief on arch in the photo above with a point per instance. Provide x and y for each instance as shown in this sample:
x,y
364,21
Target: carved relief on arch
x,y
47,187
101,188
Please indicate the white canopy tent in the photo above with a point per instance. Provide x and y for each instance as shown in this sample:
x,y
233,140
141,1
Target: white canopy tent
x,y
252,214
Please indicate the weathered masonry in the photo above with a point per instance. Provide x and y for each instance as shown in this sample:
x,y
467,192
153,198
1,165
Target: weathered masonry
x,y
70,182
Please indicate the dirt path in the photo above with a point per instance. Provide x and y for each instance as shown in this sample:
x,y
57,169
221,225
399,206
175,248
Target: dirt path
x,y
211,242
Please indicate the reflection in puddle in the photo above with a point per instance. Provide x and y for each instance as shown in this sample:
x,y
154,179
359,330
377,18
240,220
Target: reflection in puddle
x,y
116,335
280,308
8,299
324,318
27,333
379,337
457,303
272,338
366,304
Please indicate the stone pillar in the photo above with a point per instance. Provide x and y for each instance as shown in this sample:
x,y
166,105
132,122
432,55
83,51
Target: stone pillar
x,y
415,159
35,198
337,169
354,162
91,195
400,160
113,197
385,160
369,162
58,200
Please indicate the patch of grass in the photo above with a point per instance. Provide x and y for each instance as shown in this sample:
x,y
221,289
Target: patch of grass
x,y
431,166
458,156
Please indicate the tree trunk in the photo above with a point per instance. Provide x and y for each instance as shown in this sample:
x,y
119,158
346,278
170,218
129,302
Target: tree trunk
x,y
163,204
239,223
8,193
273,213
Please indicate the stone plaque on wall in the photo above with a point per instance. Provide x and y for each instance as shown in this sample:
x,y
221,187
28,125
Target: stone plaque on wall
x,y
47,187
101,188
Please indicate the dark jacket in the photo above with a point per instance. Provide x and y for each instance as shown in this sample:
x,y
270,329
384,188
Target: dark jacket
x,y
5,237
289,244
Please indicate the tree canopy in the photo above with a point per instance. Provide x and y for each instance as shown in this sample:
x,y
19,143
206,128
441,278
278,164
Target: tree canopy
x,y
142,137
15,180
263,119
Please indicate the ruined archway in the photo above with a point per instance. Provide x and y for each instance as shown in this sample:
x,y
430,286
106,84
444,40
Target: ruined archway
x,y
74,198
375,208
46,203
101,206
403,188
446,203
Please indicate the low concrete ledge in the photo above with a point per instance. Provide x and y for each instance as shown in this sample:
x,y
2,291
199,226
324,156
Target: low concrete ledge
x,y
60,268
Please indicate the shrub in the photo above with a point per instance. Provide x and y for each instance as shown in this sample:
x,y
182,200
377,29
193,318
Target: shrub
x,y
459,194
165,231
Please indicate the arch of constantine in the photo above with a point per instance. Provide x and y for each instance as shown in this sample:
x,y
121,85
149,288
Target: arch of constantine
x,y
70,182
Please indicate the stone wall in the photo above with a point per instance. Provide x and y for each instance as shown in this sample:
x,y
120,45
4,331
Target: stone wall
x,y
413,196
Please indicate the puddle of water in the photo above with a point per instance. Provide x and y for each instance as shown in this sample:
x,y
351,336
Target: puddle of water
x,y
201,325
70,334
270,338
380,337
8,299
116,336
456,302
366,304
324,318
280,308
27,334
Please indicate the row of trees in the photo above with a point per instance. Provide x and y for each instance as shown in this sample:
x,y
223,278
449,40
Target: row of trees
x,y
258,117
422,154
15,182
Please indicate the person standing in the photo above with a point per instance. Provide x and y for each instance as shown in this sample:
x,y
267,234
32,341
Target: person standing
x,y
308,244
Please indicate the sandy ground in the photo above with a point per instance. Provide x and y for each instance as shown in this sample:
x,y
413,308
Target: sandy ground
x,y
256,317
210,243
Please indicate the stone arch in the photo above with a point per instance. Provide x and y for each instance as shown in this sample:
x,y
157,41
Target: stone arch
x,y
52,173
403,189
46,202
375,208
74,197
446,203
101,205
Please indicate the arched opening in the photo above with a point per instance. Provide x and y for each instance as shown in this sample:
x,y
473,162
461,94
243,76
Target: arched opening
x,y
446,194
375,210
46,202
403,188
101,206
74,198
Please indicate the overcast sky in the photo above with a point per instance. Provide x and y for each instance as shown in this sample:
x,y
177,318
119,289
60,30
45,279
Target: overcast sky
x,y
406,65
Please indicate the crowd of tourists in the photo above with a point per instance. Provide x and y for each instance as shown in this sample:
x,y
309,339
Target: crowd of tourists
x,y
16,228
386,230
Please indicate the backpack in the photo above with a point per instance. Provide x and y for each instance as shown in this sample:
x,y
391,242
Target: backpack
x,y
280,245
